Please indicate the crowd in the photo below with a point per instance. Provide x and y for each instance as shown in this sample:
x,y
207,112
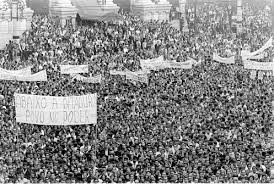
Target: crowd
x,y
207,124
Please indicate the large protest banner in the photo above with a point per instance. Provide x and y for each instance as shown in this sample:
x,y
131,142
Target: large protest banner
x,y
153,64
138,78
40,76
268,44
253,65
94,80
52,110
180,65
24,71
230,60
255,57
116,72
72,69
159,63
140,72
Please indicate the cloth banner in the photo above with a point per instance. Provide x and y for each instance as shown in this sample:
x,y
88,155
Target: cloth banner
x,y
52,110
140,72
153,64
253,65
94,80
24,71
116,72
256,57
159,63
73,69
180,65
219,59
138,78
262,49
40,76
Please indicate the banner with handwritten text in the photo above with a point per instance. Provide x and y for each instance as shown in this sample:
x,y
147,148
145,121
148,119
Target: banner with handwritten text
x,y
52,110
116,72
24,71
94,80
72,69
40,76
160,63
138,78
180,65
255,57
253,65
230,60
267,45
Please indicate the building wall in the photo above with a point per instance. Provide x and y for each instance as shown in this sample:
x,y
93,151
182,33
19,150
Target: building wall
x,y
124,4
174,3
39,6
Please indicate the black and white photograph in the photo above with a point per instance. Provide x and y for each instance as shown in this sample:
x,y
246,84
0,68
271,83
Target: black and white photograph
x,y
136,91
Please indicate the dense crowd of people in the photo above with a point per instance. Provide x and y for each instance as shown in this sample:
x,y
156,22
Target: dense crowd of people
x,y
207,124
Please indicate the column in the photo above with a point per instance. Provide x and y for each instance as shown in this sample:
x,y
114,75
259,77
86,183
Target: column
x,y
144,9
182,8
132,2
28,13
110,6
73,21
272,15
163,6
50,5
63,9
239,16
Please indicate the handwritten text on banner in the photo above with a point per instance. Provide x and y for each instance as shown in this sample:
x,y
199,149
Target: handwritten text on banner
x,y
71,69
230,60
40,76
24,71
94,80
51,110
138,78
253,65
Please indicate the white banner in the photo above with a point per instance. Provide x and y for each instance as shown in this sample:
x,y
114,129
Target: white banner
x,y
24,71
230,60
96,79
72,69
262,49
256,57
52,110
139,78
40,76
153,64
253,65
180,65
140,72
116,72
159,63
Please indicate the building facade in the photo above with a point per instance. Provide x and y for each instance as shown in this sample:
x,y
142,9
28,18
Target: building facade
x,y
15,18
